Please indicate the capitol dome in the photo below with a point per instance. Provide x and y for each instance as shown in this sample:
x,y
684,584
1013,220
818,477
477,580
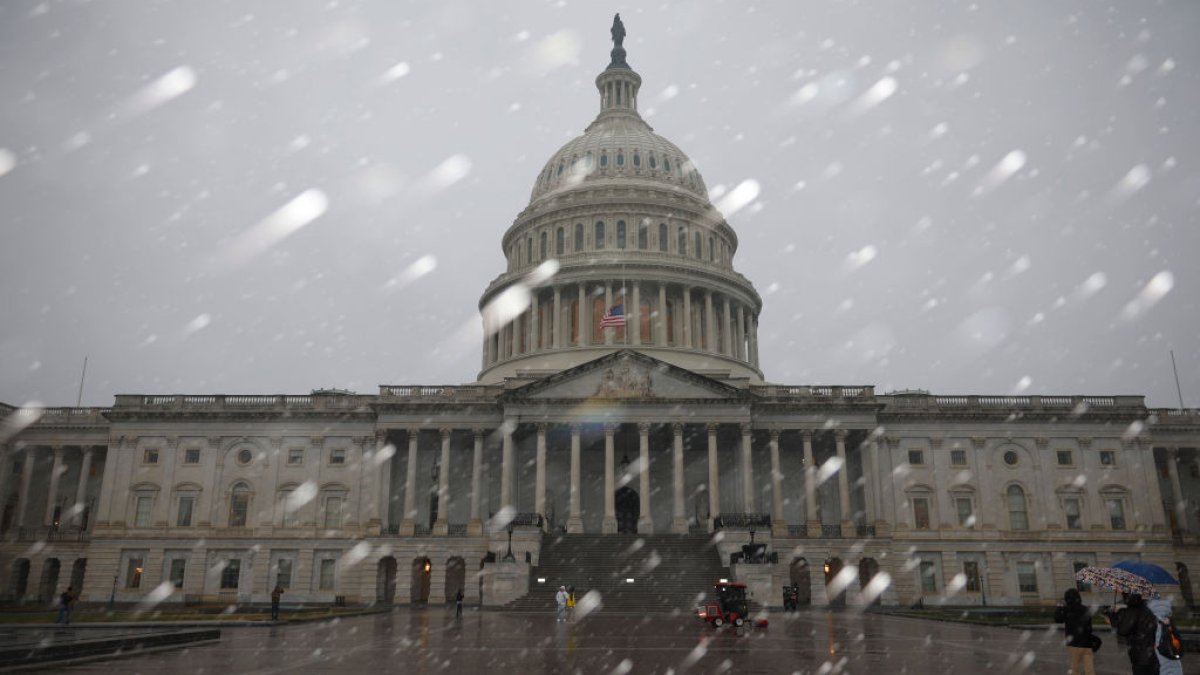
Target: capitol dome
x,y
619,248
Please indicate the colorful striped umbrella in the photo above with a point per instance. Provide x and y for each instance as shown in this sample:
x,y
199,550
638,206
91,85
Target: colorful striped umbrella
x,y
1116,580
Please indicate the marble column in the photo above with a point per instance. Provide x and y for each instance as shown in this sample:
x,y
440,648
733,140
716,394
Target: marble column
x,y
506,468
779,526
726,333
635,338
870,471
609,524
662,315
608,333
539,486
714,476
811,519
162,505
381,463
475,524
844,484
56,471
575,520
645,521
408,522
535,320
1177,499
441,525
710,344
739,335
748,496
754,340
23,490
212,462
6,454
581,313
679,522
556,341
687,317
370,477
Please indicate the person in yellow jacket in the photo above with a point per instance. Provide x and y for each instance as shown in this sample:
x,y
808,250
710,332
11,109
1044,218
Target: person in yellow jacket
x,y
570,601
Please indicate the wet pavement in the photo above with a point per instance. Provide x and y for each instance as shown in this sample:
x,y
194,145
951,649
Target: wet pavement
x,y
432,640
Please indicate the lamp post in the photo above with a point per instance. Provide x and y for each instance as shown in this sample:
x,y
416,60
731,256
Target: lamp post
x,y
112,597
509,557
751,533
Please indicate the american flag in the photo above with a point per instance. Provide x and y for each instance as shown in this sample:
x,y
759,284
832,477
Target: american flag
x,y
614,317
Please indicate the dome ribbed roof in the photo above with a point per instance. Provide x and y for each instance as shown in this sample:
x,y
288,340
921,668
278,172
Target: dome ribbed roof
x,y
618,146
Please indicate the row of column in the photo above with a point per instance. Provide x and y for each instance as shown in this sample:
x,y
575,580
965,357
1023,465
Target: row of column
x,y
58,468
736,330
1179,499
679,520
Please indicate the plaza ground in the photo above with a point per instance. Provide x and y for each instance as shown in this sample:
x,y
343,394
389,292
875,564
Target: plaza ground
x,y
427,640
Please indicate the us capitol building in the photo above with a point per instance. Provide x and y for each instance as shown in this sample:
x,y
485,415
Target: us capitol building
x,y
620,392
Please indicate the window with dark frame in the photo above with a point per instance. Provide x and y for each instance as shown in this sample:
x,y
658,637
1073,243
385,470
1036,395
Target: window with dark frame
x,y
191,456
231,575
921,513
928,577
1026,577
916,457
1108,458
971,572
150,456
958,457
1064,457
178,566
1074,513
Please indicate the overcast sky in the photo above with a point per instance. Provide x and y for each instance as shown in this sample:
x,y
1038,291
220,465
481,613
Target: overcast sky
x,y
271,197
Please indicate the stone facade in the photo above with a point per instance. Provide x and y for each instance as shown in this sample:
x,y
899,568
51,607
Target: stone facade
x,y
664,424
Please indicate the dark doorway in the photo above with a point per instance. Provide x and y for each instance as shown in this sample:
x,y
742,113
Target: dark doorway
x,y
801,577
1185,584
456,578
867,569
433,510
421,573
832,567
628,508
19,582
77,573
49,580
385,581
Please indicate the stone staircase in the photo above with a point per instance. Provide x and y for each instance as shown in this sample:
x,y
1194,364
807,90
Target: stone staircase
x,y
670,572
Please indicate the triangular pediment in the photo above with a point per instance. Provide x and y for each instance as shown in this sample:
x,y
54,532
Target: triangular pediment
x,y
625,375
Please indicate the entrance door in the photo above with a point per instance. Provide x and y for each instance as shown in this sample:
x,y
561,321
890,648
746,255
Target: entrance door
x,y
832,567
628,510
385,576
421,573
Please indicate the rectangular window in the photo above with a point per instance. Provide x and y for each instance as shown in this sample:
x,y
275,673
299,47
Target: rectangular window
x,y
142,511
1079,585
184,517
921,513
966,512
1026,577
283,573
133,573
333,512
325,583
1064,457
971,572
598,240
150,456
928,577
191,456
958,457
231,574
239,505
337,456
578,237
1074,513
620,234
1108,458
178,565
1116,513
295,456
290,509
916,457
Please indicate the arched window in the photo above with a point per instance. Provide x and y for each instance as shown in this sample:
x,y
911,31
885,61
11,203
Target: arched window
x,y
653,164
620,158
528,250
643,235
620,234
560,168
603,159
560,241
637,160
663,240
711,250
681,245
1018,516
542,248
696,244
578,237
666,165
599,235
239,505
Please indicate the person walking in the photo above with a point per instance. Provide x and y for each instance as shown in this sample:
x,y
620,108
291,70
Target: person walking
x,y
458,600
1161,607
276,594
1078,623
1137,624
66,602
570,602
561,599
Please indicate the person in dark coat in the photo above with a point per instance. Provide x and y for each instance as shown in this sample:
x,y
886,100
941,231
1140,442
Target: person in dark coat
x,y
1078,620
1137,624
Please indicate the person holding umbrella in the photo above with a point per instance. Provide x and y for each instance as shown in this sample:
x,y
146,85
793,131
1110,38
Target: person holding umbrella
x,y
1138,625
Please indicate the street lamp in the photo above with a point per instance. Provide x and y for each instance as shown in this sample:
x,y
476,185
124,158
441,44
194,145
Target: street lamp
x,y
509,557
751,533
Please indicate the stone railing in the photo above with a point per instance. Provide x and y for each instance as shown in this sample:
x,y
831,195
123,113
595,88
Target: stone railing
x,y
815,392
831,531
742,521
1063,404
1181,416
439,393
61,416
179,402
